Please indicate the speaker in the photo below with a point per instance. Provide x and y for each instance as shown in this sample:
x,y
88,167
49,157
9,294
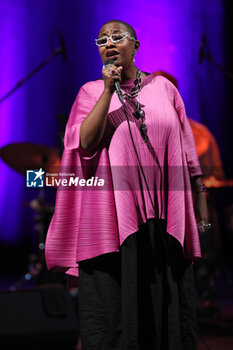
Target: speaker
x,y
40,318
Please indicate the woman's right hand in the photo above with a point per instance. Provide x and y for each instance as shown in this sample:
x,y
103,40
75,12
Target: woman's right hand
x,y
109,78
93,126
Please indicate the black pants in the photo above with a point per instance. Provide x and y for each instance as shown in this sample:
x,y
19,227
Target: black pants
x,y
135,300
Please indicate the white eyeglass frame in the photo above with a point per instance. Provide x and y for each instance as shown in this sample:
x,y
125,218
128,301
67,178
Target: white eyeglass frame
x,y
125,35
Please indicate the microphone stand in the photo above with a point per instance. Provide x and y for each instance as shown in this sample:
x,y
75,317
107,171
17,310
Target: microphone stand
x,y
209,58
55,52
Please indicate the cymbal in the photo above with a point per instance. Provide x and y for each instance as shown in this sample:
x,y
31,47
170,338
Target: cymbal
x,y
212,182
29,156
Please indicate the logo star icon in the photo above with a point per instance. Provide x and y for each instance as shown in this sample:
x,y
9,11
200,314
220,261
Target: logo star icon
x,y
39,173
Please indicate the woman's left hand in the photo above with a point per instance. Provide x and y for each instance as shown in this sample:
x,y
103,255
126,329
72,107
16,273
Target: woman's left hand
x,y
200,205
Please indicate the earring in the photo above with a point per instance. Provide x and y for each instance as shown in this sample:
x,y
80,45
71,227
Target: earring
x,y
134,54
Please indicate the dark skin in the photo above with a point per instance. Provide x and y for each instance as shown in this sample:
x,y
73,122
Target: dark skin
x,y
93,127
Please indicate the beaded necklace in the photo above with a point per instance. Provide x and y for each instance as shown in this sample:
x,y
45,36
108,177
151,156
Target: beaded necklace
x,y
138,111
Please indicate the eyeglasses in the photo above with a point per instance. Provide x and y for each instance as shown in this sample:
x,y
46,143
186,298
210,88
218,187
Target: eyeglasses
x,y
115,38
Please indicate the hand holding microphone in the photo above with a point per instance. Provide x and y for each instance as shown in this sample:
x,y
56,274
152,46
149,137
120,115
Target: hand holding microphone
x,y
112,78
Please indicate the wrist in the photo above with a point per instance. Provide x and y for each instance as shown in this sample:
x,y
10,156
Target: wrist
x,y
203,226
108,92
199,187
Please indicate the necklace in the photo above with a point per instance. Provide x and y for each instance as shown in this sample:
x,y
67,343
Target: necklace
x,y
137,86
138,111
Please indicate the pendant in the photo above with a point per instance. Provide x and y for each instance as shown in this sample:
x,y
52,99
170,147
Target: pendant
x,y
139,113
143,130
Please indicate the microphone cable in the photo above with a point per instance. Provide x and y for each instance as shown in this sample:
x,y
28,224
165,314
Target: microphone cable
x,y
168,255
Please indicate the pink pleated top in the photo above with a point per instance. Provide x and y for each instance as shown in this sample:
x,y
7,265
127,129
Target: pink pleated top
x,y
89,221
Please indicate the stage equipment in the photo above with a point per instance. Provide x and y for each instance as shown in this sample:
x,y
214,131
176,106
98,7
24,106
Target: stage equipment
x,y
204,53
25,156
60,50
42,318
29,156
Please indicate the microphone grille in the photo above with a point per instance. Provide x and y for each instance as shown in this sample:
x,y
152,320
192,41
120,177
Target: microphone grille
x,y
109,61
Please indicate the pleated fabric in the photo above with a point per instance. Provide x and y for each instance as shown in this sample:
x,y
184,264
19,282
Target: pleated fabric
x,y
135,300
90,221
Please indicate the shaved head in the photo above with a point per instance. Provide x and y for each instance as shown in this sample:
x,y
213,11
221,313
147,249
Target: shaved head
x,y
128,26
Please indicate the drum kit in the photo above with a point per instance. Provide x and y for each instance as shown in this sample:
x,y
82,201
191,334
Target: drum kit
x,y
21,157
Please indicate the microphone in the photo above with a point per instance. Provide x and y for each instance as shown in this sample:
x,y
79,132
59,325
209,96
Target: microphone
x,y
201,54
63,47
116,82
